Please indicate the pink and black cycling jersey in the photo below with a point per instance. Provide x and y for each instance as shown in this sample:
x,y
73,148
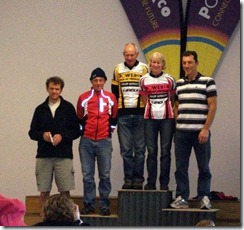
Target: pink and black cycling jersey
x,y
157,89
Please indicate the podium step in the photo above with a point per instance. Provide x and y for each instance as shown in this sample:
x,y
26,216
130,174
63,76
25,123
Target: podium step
x,y
98,220
186,217
142,207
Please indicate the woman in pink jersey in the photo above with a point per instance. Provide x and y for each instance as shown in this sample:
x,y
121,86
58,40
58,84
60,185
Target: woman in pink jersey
x,y
157,89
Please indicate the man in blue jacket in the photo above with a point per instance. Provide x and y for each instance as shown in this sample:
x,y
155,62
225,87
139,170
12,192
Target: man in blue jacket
x,y
54,126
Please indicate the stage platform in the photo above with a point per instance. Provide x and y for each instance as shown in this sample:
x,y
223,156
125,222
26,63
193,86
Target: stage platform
x,y
148,208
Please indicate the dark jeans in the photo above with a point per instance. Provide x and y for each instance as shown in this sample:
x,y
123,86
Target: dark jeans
x,y
184,141
132,146
164,127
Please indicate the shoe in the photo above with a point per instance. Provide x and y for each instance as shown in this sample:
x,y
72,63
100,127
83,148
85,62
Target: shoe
x,y
164,187
150,187
137,185
205,203
127,185
104,211
179,203
87,209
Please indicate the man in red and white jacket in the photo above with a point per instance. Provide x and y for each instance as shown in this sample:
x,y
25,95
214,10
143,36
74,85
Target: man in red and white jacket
x,y
97,114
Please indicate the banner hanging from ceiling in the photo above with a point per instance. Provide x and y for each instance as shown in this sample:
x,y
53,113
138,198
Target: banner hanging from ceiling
x,y
207,28
157,25
210,24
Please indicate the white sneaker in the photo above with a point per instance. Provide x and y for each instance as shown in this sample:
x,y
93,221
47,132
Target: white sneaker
x,y
179,203
205,203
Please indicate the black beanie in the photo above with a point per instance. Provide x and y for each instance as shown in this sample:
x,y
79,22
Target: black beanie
x,y
98,72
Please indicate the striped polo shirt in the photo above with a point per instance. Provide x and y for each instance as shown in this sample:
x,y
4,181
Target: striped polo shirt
x,y
193,106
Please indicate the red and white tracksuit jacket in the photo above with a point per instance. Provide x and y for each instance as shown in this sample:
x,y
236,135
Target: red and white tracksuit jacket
x,y
97,113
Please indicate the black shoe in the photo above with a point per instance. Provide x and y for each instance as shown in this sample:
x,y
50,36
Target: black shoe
x,y
137,185
87,209
104,211
150,187
127,185
164,187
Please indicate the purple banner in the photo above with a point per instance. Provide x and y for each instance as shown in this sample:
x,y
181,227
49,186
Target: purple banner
x,y
210,25
157,25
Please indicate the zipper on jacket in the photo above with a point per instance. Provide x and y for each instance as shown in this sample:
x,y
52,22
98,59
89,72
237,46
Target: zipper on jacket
x,y
98,106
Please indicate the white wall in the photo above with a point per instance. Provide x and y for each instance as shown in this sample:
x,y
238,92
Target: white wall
x,y
40,39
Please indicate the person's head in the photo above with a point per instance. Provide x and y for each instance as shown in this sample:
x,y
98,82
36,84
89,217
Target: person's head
x,y
12,212
98,79
130,54
190,62
157,63
206,223
59,208
54,86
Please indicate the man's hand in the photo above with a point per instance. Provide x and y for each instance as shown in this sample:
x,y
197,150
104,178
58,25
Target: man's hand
x,y
57,138
203,136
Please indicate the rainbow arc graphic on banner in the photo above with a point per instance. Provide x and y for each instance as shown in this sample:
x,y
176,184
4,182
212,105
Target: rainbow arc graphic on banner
x,y
210,25
159,26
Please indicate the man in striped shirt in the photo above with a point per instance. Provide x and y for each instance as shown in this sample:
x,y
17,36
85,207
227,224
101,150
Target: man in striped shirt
x,y
195,108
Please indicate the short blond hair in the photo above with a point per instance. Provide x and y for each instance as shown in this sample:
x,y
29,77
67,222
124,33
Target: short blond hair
x,y
158,56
